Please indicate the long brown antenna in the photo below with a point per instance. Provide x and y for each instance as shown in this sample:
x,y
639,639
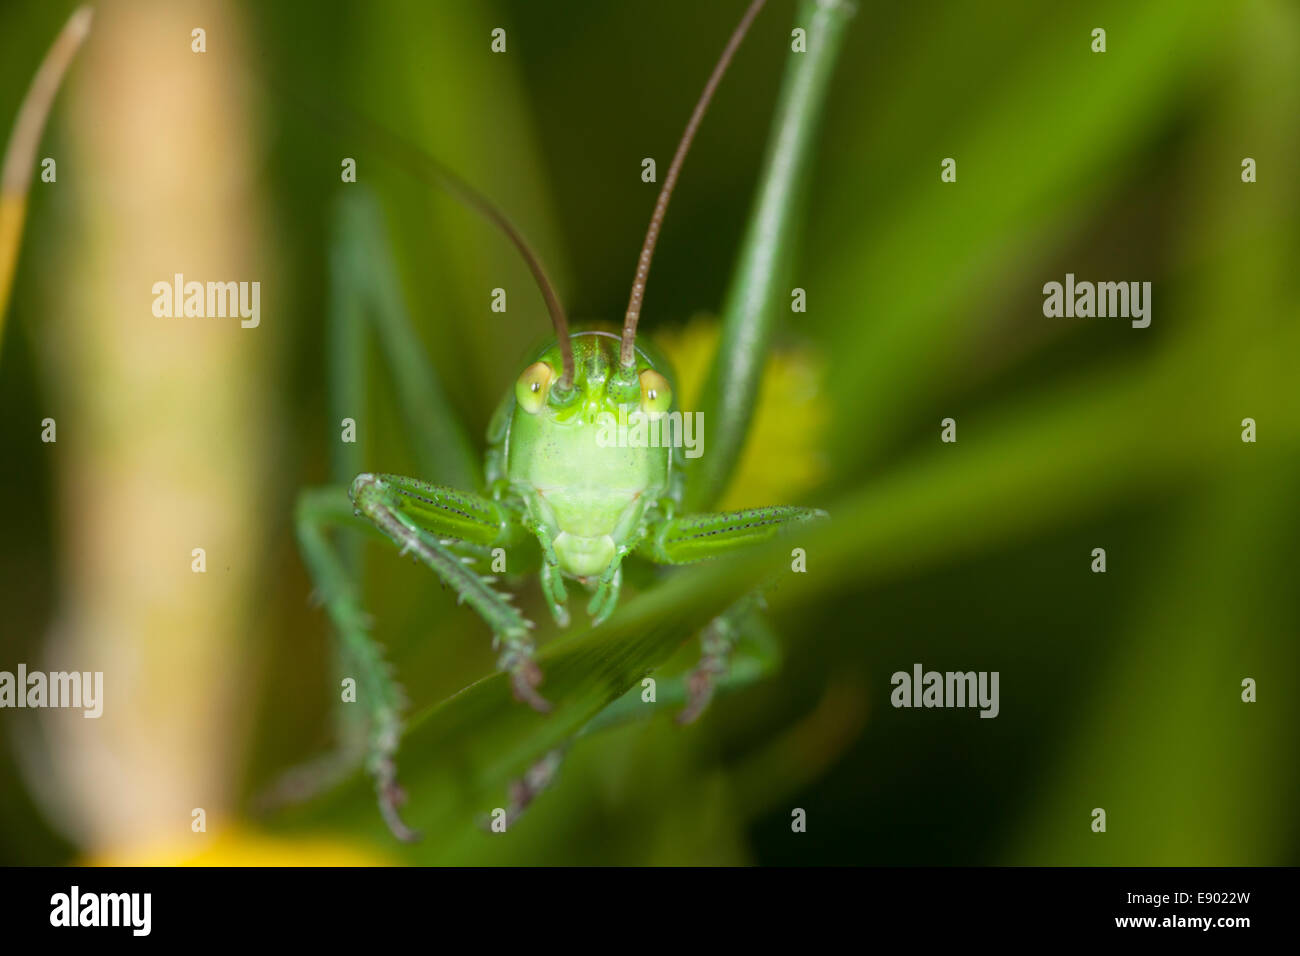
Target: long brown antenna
x,y
427,169
627,354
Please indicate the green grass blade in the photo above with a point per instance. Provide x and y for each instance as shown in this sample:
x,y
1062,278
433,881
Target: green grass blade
x,y
444,449
20,155
759,284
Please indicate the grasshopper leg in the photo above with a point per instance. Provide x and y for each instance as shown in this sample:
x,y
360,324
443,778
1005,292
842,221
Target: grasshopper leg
x,y
717,641
553,589
684,539
380,697
536,779
605,599
392,503
631,531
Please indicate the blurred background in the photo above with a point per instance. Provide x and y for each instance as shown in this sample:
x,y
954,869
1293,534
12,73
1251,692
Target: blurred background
x,y
1119,690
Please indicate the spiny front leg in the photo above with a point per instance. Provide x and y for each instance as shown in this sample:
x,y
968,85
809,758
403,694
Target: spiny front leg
x,y
415,516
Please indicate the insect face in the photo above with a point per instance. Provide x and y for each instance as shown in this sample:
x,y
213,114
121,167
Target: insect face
x,y
586,478
599,385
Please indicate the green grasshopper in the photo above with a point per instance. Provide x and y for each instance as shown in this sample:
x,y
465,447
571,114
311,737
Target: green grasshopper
x,y
557,494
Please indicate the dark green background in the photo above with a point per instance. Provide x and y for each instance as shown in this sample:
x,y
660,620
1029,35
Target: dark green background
x,y
1118,690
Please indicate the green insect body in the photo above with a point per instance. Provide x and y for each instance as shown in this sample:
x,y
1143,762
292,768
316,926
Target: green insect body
x,y
565,487
590,499
557,474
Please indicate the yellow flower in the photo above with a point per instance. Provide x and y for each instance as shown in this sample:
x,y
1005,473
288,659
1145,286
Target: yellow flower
x,y
235,845
784,456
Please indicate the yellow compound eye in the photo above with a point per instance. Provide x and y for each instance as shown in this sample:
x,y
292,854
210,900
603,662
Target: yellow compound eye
x,y
530,390
656,394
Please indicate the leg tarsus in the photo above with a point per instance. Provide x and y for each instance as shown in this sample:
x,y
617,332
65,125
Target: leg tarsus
x,y
717,641
699,688
382,765
535,780
391,798
525,676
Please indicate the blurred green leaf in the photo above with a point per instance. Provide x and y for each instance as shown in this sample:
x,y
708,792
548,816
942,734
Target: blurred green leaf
x,y
896,282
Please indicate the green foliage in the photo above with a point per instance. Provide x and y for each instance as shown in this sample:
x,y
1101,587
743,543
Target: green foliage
x,y
1132,424
1121,690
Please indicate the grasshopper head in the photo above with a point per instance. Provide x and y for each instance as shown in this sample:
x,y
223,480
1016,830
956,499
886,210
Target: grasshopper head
x,y
597,385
